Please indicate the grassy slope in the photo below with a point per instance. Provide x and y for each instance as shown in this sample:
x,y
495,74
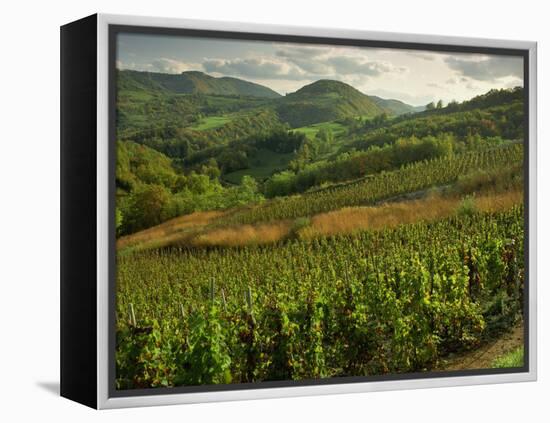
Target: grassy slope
x,y
511,359
311,130
262,166
211,122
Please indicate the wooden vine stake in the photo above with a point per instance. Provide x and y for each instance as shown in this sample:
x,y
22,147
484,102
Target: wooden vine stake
x,y
212,289
132,315
223,300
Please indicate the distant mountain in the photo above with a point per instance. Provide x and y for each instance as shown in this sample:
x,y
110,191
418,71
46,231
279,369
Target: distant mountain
x,y
325,100
193,82
321,101
396,107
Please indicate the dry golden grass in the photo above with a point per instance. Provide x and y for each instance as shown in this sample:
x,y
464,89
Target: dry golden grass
x,y
393,214
498,202
244,235
169,231
191,230
384,216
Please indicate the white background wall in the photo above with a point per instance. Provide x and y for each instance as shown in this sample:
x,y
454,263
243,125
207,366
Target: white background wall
x,y
29,208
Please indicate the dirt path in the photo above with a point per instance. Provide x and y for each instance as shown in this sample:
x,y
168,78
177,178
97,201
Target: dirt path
x,y
483,357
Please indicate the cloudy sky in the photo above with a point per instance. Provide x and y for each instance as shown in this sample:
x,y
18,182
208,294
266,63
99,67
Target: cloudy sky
x,y
415,77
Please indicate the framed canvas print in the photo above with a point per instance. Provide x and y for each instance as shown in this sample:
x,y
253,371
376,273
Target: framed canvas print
x,y
253,211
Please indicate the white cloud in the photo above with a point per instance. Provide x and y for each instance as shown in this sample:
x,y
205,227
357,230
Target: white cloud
x,y
162,65
486,68
167,65
300,51
423,55
347,65
305,63
253,68
457,80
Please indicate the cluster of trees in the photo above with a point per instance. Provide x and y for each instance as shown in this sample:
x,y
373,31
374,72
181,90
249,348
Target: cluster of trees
x,y
151,204
152,187
505,121
310,149
509,99
237,154
491,98
434,106
142,116
174,138
360,125
150,191
356,164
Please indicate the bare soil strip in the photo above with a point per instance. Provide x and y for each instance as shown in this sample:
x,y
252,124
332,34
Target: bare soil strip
x,y
483,357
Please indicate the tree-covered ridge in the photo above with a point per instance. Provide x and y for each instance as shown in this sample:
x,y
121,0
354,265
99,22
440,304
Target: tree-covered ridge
x,y
504,120
357,164
138,164
186,143
494,97
194,82
325,100
149,103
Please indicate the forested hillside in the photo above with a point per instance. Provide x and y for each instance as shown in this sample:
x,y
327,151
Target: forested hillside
x,y
324,101
193,82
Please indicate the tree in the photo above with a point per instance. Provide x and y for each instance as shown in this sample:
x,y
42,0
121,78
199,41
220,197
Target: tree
x,y
325,135
211,169
452,105
198,184
146,207
380,119
440,104
430,106
118,220
186,148
280,184
245,193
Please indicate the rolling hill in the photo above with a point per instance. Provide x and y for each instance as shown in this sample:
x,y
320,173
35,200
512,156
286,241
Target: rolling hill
x,y
325,100
321,101
193,82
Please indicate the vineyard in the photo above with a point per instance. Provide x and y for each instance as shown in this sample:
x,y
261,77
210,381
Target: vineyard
x,y
410,178
317,234
370,303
